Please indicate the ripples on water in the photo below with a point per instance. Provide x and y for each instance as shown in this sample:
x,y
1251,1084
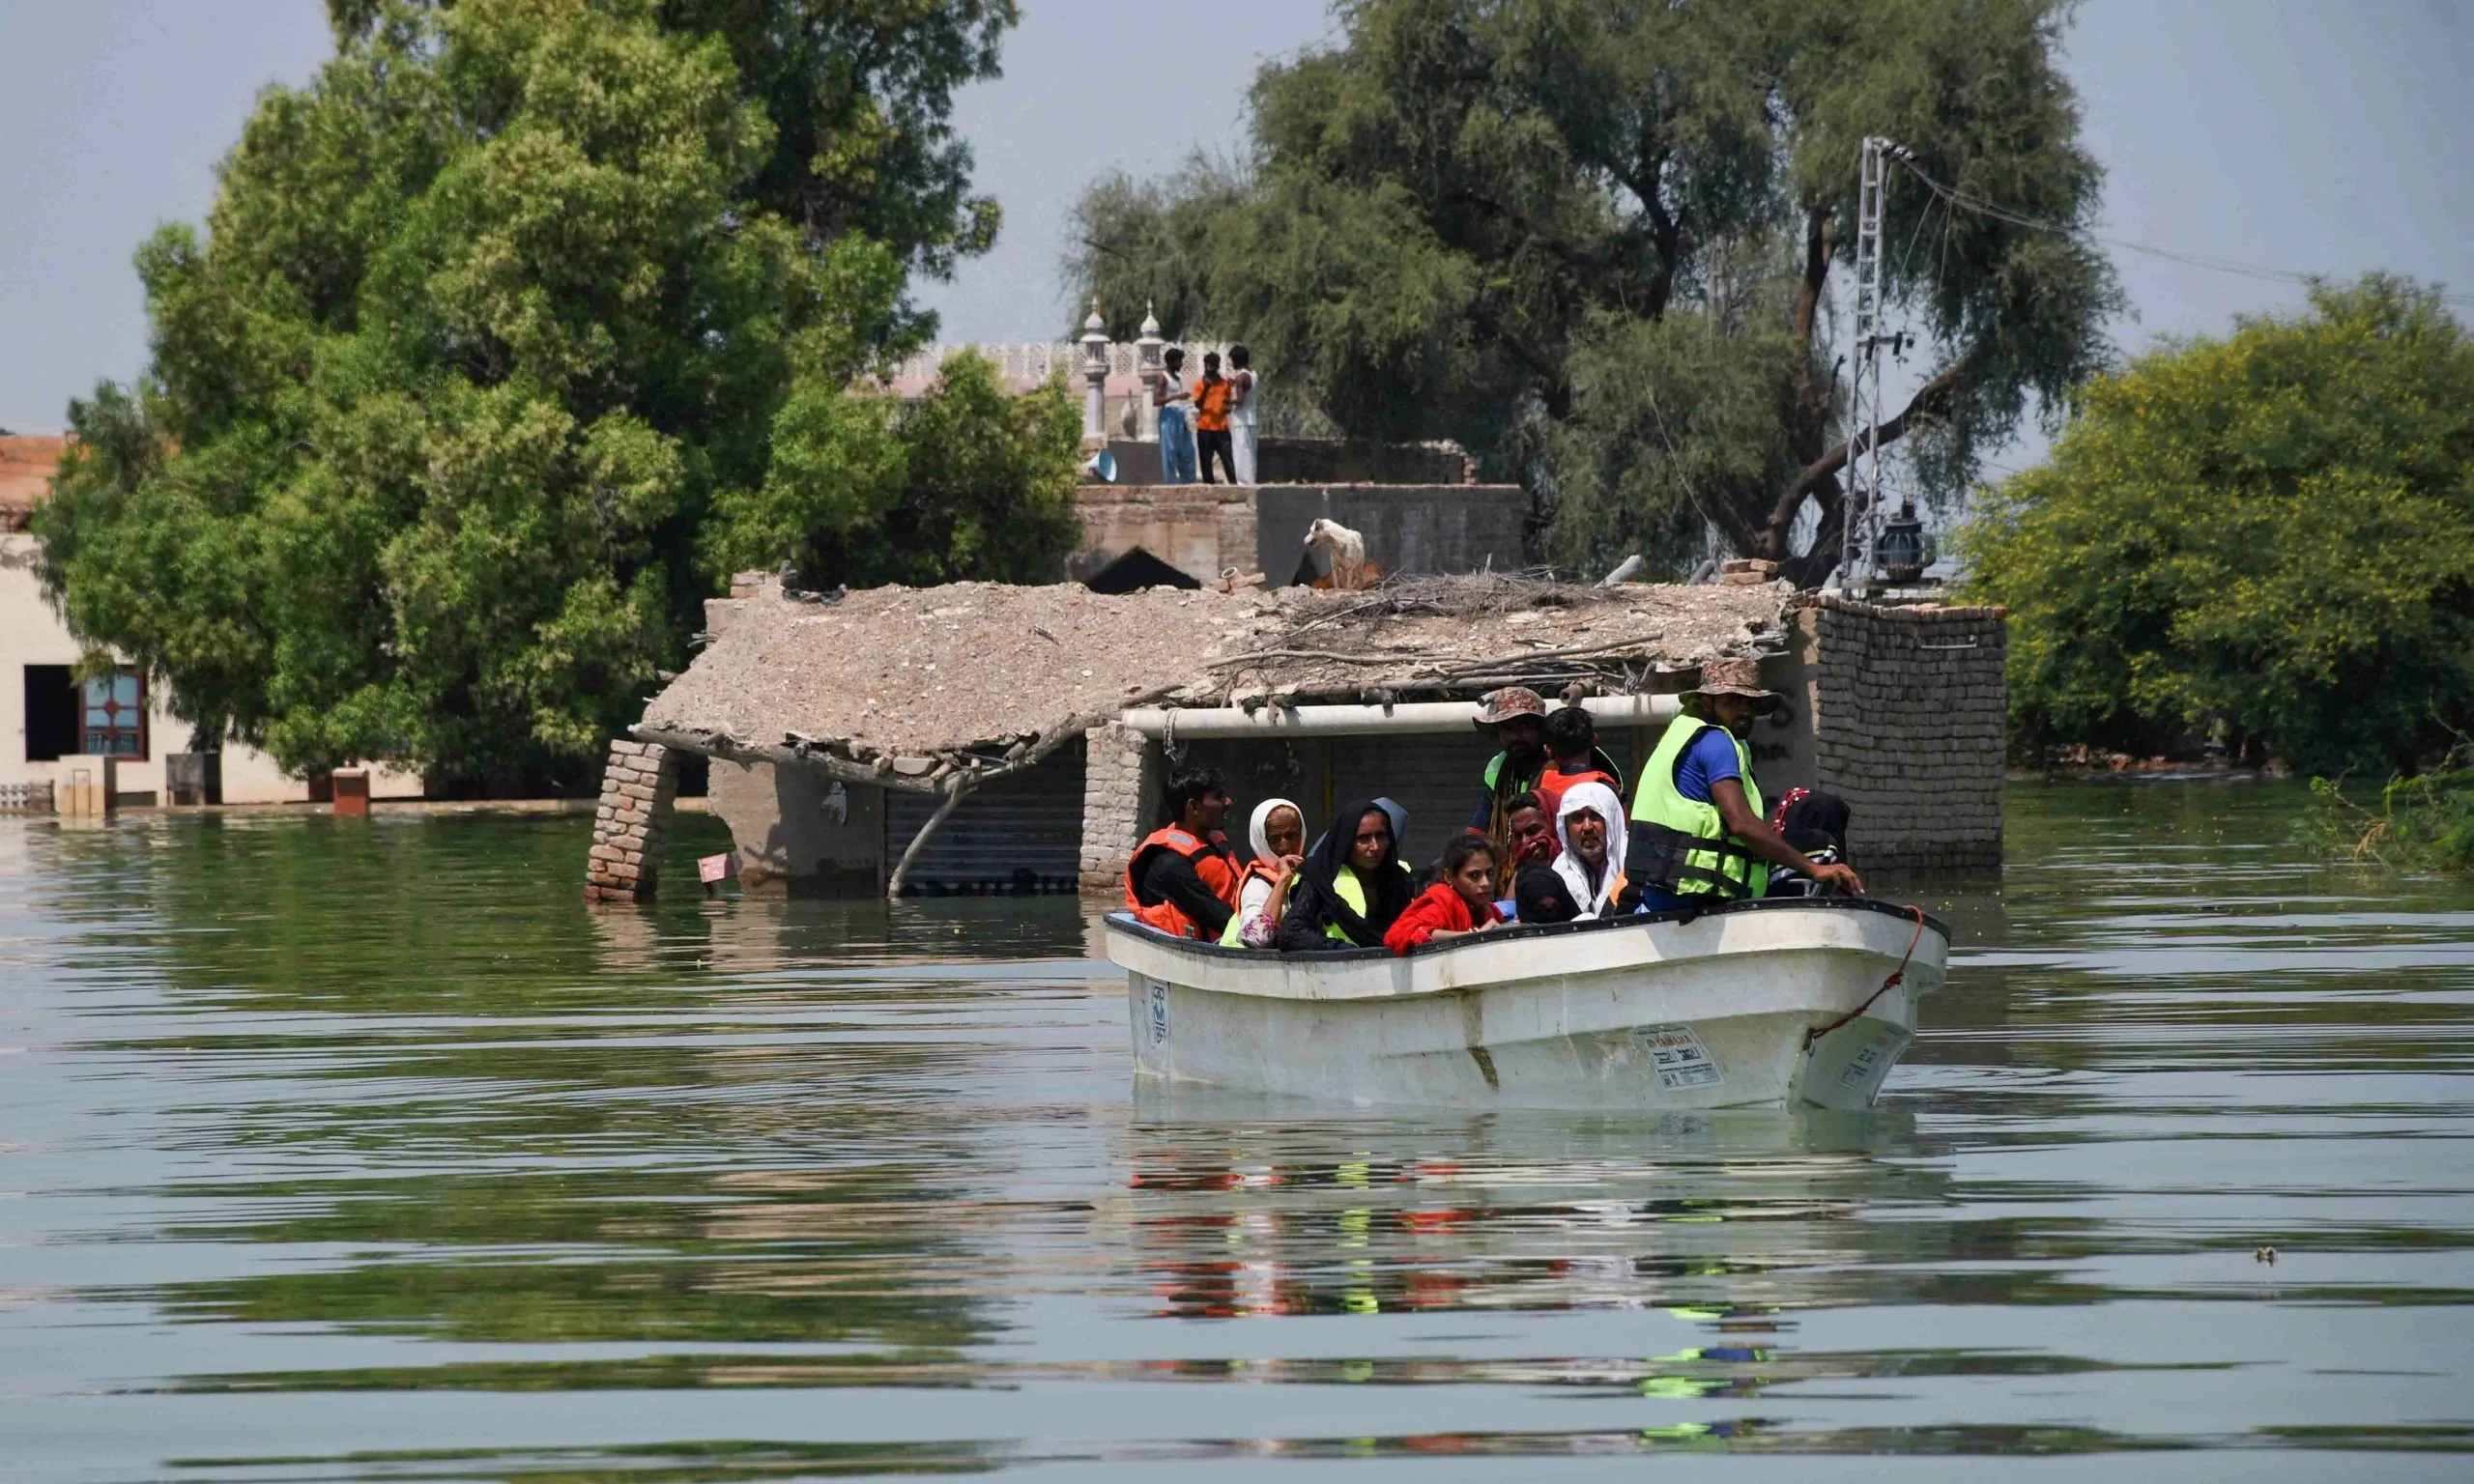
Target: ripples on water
x,y
334,1150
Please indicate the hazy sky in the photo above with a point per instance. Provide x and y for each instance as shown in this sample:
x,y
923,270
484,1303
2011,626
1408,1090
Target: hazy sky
x,y
2321,137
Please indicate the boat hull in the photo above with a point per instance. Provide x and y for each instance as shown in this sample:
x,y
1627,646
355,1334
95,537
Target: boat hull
x,y
1758,1004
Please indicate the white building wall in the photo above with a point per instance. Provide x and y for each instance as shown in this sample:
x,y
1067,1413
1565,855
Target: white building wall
x,y
32,633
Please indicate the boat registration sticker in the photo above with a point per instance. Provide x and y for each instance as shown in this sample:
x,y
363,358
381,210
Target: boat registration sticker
x,y
1865,1066
1681,1060
1157,994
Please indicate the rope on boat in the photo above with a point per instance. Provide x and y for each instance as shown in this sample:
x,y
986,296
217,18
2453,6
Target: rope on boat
x,y
1897,977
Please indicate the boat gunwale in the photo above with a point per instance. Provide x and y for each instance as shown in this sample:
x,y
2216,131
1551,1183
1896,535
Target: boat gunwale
x,y
1123,921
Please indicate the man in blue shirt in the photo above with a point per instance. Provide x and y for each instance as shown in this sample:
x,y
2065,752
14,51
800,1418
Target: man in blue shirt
x,y
1698,834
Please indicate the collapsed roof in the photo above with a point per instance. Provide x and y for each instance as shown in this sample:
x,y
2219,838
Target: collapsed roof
x,y
915,687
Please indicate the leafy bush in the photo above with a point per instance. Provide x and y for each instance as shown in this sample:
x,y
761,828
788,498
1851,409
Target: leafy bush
x,y
2267,539
2420,823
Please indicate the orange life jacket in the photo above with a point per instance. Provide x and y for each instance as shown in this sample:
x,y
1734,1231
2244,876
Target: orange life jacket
x,y
1213,862
1552,784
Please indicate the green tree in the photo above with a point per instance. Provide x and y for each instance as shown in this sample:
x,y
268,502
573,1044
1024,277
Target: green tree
x,y
1600,243
861,97
2270,537
968,484
486,320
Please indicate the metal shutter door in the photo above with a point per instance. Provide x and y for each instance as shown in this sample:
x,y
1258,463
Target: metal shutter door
x,y
1018,832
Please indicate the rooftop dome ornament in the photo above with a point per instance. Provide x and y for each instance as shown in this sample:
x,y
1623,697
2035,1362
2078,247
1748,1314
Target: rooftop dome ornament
x,y
1095,377
1147,367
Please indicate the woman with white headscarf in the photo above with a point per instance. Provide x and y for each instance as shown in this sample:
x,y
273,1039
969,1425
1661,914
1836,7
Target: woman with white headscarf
x,y
1277,833
1590,824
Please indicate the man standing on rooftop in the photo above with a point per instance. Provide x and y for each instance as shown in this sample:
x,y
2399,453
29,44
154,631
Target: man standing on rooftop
x,y
1241,410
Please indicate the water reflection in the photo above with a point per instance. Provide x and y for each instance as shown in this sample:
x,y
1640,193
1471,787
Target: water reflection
x,y
1701,1215
354,1151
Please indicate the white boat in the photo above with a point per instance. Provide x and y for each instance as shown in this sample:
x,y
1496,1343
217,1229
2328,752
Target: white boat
x,y
1772,1004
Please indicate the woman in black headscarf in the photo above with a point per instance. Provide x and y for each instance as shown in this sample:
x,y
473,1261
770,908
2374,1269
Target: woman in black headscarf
x,y
1350,888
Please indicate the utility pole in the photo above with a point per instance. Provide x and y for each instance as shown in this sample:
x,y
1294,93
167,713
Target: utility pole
x,y
1862,501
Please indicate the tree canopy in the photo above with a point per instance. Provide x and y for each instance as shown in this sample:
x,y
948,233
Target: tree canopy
x,y
968,483
489,320
1600,243
2263,537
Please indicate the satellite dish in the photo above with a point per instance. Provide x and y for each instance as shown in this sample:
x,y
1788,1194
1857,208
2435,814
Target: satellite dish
x,y
1103,464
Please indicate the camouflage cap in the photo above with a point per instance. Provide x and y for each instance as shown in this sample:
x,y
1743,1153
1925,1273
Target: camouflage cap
x,y
1735,677
1497,707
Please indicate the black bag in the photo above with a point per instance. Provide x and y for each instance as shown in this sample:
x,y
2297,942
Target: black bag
x,y
1815,824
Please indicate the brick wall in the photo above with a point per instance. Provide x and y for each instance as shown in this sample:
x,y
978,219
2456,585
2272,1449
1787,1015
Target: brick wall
x,y
1204,530
1433,528
638,789
1120,793
1200,530
1908,714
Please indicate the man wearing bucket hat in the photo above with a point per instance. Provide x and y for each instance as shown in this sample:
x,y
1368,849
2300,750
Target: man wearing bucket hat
x,y
1515,717
1698,834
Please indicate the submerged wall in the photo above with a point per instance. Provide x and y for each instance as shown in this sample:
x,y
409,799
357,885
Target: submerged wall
x,y
1910,716
797,831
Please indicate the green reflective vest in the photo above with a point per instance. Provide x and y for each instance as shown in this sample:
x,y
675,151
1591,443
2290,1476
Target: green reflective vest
x,y
1686,872
1233,935
1495,776
1351,891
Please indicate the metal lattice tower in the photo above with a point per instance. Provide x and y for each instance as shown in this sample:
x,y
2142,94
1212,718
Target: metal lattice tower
x,y
1862,500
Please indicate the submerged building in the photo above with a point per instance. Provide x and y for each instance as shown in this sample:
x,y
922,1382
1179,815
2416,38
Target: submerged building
x,y
980,737
108,735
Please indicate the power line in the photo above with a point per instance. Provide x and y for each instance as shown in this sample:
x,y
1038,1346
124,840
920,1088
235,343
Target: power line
x,y
1952,196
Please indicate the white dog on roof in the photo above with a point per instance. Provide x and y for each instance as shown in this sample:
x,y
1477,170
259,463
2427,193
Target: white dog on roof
x,y
1348,553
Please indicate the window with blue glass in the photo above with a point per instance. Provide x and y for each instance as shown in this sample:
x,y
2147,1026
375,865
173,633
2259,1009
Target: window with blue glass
x,y
116,714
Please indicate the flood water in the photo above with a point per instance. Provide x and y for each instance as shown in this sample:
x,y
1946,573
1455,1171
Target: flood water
x,y
363,1150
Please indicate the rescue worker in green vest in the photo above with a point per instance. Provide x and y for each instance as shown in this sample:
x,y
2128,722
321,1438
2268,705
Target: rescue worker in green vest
x,y
1698,834
1351,887
1517,718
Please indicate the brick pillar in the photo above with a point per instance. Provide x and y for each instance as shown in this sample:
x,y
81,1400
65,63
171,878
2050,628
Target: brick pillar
x,y
1120,791
1910,714
628,830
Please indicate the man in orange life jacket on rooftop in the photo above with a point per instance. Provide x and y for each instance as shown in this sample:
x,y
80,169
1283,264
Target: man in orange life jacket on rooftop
x,y
1184,879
